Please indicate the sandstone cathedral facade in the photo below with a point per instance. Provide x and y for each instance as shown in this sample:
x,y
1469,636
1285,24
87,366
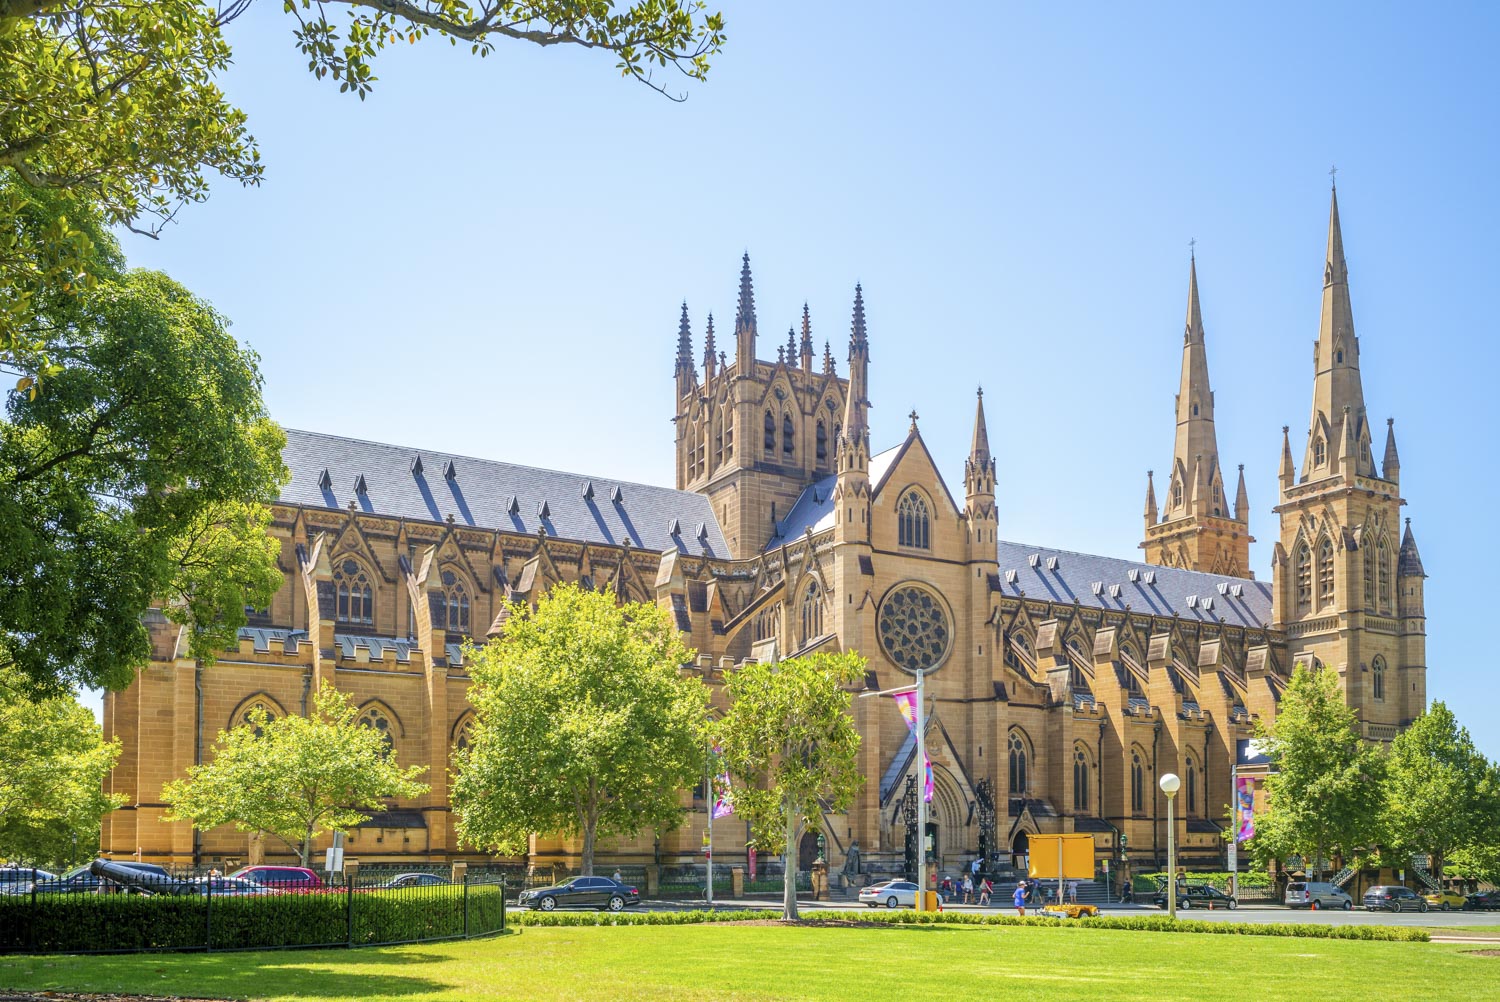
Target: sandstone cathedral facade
x,y
1061,684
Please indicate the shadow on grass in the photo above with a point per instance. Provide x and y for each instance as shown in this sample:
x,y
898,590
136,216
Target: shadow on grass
x,y
298,974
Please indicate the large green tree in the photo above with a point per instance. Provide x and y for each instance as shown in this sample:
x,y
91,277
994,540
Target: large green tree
x,y
294,777
584,724
792,750
119,100
1324,796
53,761
139,478
1441,794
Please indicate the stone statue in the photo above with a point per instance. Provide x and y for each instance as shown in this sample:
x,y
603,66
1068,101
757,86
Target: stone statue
x,y
851,860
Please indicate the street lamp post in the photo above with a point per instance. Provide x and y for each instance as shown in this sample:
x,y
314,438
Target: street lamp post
x,y
919,729
1170,784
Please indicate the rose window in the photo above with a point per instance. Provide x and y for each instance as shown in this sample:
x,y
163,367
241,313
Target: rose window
x,y
913,627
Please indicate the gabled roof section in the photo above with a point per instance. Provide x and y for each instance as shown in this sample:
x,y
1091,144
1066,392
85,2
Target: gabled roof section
x,y
878,477
813,508
480,494
1064,576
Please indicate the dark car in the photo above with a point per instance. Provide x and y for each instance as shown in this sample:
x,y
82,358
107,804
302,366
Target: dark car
x,y
18,879
1197,896
414,880
1483,901
1397,899
581,892
81,880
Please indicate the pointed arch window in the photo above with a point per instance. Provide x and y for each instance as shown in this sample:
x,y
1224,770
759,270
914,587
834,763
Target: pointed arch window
x,y
1377,678
912,524
1304,578
788,436
354,598
1018,761
379,721
1369,562
1325,572
256,715
1176,493
1190,790
463,736
1320,451
770,443
1080,779
1137,784
456,601
1383,568
812,613
822,442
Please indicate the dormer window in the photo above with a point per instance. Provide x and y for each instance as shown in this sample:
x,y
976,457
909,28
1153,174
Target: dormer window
x,y
1320,451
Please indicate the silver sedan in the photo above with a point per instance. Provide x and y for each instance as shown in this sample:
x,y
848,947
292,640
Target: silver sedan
x,y
891,893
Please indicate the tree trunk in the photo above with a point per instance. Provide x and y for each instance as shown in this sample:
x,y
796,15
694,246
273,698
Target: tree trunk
x,y
306,850
590,825
789,878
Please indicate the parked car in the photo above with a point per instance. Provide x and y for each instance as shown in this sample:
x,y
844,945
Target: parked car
x,y
1444,900
1397,899
18,879
1482,901
283,878
231,887
1315,894
414,880
1198,896
581,892
891,893
80,880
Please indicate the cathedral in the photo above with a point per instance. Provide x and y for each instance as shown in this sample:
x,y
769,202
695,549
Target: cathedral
x,y
1061,685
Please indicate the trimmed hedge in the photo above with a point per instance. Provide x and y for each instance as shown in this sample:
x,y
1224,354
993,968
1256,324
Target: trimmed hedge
x,y
1129,923
91,923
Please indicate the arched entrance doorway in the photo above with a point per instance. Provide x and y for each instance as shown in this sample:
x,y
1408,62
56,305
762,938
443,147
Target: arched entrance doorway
x,y
807,851
1019,848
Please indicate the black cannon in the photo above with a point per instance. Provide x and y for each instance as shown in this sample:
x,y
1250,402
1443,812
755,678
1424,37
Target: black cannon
x,y
140,881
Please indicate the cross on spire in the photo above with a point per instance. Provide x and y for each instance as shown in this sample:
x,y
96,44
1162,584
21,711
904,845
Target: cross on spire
x,y
1193,248
1333,175
913,416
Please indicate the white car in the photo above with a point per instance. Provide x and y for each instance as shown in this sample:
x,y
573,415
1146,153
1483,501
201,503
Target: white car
x,y
891,893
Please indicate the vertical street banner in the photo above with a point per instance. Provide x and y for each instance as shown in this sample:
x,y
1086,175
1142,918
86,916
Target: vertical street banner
x,y
906,702
1244,808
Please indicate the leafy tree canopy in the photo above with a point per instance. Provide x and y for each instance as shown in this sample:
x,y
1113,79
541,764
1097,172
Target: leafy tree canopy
x,y
1441,794
791,749
53,761
140,478
294,777
1325,795
120,101
584,724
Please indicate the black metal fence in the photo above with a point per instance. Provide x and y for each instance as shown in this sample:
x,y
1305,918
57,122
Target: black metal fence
x,y
218,913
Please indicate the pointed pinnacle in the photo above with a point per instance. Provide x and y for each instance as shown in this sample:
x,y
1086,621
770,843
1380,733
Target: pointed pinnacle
x,y
857,334
807,345
1193,330
827,358
709,349
745,316
979,449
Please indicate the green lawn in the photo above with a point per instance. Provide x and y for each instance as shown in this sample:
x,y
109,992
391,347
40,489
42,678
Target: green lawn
x,y
724,962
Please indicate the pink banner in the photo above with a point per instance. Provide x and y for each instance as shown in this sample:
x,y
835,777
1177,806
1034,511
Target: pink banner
x,y
1244,808
906,702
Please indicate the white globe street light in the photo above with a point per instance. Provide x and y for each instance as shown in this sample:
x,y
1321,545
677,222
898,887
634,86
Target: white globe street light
x,y
1170,784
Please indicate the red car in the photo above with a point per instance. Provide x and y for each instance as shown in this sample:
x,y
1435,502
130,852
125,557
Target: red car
x,y
282,878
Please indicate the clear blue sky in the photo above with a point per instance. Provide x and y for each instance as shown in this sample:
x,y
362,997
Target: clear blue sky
x,y
487,256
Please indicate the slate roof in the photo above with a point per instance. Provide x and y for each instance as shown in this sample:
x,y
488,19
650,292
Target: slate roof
x,y
814,506
1064,576
492,495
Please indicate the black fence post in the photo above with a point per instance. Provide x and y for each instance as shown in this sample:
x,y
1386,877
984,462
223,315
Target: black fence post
x,y
349,906
208,913
466,903
503,890
31,930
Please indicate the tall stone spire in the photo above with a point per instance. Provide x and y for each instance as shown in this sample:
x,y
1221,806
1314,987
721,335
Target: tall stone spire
x,y
1196,530
710,351
744,322
1195,454
979,492
854,442
807,344
1241,499
1336,381
979,448
687,376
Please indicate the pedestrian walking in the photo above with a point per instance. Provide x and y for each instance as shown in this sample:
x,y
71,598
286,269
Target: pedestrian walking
x,y
968,888
985,890
1020,899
